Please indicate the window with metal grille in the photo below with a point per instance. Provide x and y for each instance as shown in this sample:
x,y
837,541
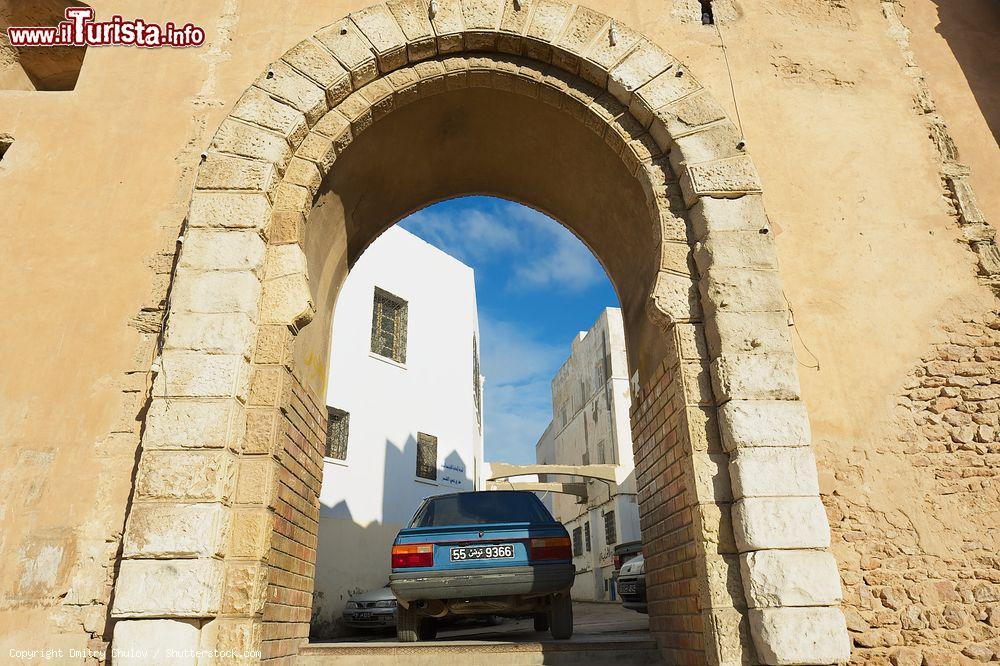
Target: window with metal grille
x,y
586,535
577,541
427,455
609,528
336,433
389,326
477,388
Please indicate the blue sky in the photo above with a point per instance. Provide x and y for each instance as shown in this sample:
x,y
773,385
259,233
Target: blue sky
x,y
537,287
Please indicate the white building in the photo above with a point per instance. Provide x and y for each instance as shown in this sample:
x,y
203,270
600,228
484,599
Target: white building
x,y
590,425
405,406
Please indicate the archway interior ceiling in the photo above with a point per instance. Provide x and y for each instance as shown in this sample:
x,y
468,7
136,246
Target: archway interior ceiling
x,y
482,141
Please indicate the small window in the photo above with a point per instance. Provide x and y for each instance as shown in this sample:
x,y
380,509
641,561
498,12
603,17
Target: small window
x,y
336,433
586,535
389,326
427,453
6,141
577,542
477,387
609,528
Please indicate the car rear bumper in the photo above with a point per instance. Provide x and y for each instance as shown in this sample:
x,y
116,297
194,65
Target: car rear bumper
x,y
535,579
634,600
367,619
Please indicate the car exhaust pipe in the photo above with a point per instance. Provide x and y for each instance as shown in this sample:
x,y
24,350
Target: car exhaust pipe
x,y
432,607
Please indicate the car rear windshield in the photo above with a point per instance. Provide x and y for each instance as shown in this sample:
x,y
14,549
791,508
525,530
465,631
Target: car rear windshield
x,y
480,509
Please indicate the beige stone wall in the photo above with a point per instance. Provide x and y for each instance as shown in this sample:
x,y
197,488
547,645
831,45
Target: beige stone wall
x,y
98,181
921,579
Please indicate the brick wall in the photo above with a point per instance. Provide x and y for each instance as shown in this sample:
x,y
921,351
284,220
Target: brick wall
x,y
922,583
666,519
292,558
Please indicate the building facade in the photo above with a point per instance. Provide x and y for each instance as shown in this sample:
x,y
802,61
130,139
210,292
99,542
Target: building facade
x,y
590,425
404,414
796,203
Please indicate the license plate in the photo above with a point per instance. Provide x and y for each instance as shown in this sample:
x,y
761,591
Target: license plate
x,y
626,588
491,552
362,616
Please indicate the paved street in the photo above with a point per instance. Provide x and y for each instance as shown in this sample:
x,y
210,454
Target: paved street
x,y
592,621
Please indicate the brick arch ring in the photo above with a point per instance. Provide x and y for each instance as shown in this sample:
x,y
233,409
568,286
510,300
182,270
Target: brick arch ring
x,y
205,560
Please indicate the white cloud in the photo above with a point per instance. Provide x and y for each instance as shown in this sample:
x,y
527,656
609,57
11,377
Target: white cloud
x,y
518,406
543,253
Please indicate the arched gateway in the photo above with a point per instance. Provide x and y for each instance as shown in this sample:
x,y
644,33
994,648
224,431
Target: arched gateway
x,y
561,108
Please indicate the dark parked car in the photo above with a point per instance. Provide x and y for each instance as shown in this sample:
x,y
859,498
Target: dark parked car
x,y
478,554
632,584
375,609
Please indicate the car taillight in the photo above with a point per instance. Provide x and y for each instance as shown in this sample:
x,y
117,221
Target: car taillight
x,y
412,555
552,548
618,562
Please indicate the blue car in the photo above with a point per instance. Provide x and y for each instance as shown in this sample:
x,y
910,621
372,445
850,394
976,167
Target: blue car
x,y
482,553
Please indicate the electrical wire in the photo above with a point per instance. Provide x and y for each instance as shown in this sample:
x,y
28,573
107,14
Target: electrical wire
x,y
729,71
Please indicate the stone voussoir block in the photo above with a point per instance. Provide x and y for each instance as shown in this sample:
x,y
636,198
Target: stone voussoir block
x,y
159,531
547,22
197,374
763,423
190,424
260,108
216,291
709,477
674,298
770,471
250,140
775,578
719,582
229,172
603,53
285,260
755,377
317,149
351,49
638,68
287,300
230,250
216,333
295,89
135,640
717,141
186,476
782,523
736,249
177,588
748,332
449,24
726,178
318,64
744,214
413,20
229,210
742,290
583,27
786,636
382,31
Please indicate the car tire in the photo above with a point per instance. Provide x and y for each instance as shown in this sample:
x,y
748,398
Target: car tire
x,y
428,629
408,625
561,616
541,622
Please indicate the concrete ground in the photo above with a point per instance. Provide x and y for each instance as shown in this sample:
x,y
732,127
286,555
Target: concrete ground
x,y
591,621
604,633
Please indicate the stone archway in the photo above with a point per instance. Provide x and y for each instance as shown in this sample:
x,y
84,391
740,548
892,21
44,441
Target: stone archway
x,y
220,539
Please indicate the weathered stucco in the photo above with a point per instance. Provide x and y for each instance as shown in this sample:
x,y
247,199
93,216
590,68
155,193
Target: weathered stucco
x,y
99,179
